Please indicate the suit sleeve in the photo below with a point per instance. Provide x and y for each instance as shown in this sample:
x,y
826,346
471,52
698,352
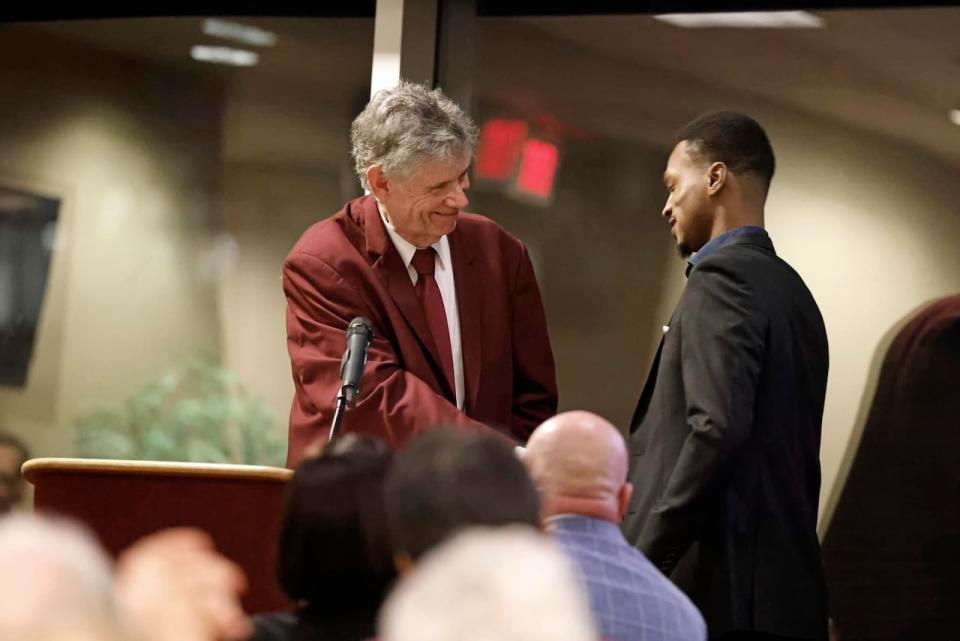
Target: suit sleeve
x,y
722,342
534,375
393,404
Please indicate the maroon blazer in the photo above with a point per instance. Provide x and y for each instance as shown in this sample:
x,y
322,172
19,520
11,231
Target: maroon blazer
x,y
347,266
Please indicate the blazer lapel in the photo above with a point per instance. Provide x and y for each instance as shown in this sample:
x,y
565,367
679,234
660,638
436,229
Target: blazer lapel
x,y
644,401
467,284
389,268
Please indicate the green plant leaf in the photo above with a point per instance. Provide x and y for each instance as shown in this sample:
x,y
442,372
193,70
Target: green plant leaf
x,y
197,412
204,452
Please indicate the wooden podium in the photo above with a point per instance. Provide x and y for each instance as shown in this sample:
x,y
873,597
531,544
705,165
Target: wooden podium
x,y
240,506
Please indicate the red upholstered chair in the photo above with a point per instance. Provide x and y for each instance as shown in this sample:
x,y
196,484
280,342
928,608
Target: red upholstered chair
x,y
240,506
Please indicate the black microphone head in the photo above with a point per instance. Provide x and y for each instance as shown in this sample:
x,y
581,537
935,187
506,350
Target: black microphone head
x,y
360,325
359,337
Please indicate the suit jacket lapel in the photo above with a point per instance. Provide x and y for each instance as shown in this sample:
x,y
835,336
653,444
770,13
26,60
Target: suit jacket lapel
x,y
389,268
467,284
644,401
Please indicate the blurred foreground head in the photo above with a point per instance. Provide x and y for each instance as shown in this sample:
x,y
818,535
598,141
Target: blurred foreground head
x,y
490,584
55,582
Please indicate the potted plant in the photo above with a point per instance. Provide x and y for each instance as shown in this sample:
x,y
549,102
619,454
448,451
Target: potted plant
x,y
198,412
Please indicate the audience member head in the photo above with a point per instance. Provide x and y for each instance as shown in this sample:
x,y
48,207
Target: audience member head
x,y
490,584
55,582
411,148
334,547
13,454
578,462
717,178
450,479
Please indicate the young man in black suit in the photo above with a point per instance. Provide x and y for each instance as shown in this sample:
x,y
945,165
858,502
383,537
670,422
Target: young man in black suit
x,y
726,436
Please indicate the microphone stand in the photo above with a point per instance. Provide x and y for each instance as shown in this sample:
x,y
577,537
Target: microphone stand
x,y
338,414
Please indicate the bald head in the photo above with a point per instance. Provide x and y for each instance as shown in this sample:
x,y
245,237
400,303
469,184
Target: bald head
x,y
578,462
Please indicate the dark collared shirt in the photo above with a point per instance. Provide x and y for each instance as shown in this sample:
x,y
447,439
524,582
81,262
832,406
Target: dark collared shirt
x,y
719,242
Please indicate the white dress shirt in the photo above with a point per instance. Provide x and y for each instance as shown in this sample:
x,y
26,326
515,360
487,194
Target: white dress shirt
x,y
443,274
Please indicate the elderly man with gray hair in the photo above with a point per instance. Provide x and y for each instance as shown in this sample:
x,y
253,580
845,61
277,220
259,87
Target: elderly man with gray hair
x,y
460,333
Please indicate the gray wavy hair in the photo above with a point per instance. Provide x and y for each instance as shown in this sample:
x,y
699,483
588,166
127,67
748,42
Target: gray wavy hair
x,y
406,125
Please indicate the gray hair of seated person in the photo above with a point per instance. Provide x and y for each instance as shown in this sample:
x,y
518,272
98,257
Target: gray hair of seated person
x,y
55,582
510,583
404,126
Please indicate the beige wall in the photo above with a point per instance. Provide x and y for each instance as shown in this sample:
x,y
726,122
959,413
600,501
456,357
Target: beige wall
x,y
870,224
108,135
601,258
178,209
265,210
872,227
276,181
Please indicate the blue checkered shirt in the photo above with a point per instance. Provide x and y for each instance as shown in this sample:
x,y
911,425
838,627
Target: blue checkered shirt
x,y
630,598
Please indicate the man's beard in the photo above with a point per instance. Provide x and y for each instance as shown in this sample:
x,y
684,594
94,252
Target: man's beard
x,y
684,251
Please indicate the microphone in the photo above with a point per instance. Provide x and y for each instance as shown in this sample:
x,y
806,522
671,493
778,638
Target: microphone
x,y
359,337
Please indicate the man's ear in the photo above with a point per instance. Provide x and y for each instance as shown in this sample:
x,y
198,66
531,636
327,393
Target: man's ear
x,y
716,177
403,562
623,498
379,183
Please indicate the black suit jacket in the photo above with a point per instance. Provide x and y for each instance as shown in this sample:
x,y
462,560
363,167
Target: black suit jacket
x,y
725,445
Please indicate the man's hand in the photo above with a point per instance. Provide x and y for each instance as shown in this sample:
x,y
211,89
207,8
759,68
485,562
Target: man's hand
x,y
174,586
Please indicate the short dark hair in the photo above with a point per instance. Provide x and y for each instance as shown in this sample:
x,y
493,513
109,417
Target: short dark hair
x,y
733,138
449,479
334,547
9,440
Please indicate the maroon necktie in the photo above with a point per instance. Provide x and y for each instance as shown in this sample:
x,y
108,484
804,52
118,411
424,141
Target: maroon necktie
x,y
429,293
